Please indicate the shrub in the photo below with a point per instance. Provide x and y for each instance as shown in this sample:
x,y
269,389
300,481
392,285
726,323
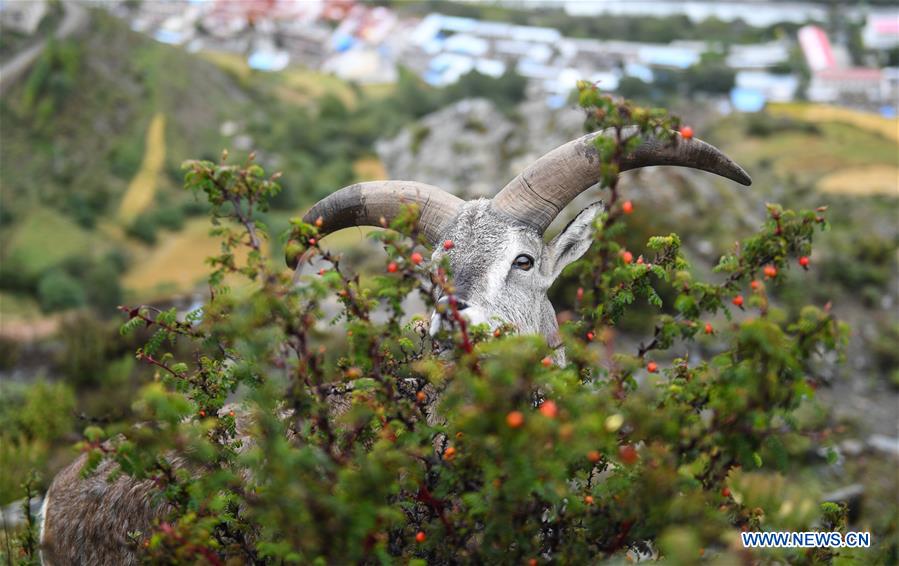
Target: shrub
x,y
144,228
57,290
104,292
169,217
616,451
32,416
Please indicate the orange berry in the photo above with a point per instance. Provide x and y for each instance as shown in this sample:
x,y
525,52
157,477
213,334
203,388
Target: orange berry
x,y
725,491
686,132
515,419
392,267
319,222
202,413
628,454
770,271
652,367
230,413
321,271
738,300
449,454
804,261
594,456
627,207
421,397
627,257
546,362
497,333
532,562
708,328
549,409
416,258
420,537
448,245
588,499
756,284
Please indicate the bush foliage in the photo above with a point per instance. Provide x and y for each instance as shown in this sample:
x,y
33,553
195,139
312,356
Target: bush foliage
x,y
358,438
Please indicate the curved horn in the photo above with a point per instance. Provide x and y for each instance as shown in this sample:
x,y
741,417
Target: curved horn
x,y
365,204
540,192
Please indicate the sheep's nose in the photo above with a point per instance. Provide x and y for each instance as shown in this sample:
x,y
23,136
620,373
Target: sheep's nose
x,y
443,305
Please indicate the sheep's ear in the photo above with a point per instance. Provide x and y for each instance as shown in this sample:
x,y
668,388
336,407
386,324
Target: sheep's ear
x,y
574,240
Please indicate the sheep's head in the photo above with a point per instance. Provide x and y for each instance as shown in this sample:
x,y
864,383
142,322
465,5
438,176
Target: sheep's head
x,y
502,268
500,264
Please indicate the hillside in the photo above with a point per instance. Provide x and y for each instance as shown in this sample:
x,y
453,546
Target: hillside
x,y
93,139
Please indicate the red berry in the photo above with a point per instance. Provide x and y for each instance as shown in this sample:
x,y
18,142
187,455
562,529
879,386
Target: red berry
x,y
319,222
546,362
627,257
686,132
532,562
311,241
580,293
708,328
755,284
725,491
497,333
652,367
549,409
202,413
627,207
449,454
392,267
515,419
448,244
421,397
594,456
590,336
321,271
420,537
588,499
416,258
804,261
628,454
770,271
738,300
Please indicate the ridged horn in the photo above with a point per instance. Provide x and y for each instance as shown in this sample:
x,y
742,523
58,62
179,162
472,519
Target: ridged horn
x,y
365,204
540,192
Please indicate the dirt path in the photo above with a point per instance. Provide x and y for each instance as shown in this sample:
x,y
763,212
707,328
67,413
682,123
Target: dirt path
x,y
142,188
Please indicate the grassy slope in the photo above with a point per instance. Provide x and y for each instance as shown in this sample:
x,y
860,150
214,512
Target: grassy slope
x,y
808,157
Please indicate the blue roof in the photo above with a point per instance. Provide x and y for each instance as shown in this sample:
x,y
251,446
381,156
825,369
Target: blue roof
x,y
747,99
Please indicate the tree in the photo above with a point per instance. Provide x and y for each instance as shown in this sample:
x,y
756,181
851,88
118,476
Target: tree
x,y
528,462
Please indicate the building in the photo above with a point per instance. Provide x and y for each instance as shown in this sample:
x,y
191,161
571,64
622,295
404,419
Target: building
x,y
851,85
881,31
758,55
816,48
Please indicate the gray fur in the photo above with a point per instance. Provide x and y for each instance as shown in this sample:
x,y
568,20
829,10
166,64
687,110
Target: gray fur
x,y
486,242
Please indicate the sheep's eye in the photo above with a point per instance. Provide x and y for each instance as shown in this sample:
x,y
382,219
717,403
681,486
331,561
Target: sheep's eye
x,y
524,262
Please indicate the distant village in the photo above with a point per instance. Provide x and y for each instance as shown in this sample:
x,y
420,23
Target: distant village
x,y
368,44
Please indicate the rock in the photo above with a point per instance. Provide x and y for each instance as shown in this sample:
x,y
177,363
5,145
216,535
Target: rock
x,y
886,444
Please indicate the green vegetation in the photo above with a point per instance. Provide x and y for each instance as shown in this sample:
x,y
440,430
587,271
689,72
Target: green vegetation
x,y
65,186
528,461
